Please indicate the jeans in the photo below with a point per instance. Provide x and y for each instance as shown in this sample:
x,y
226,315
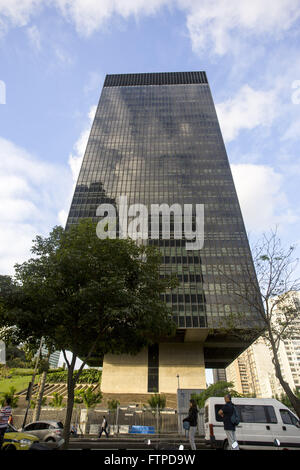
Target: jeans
x,y
103,430
192,432
231,439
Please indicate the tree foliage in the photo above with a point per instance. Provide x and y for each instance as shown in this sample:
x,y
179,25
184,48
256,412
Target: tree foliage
x,y
88,376
88,397
57,400
157,400
11,394
219,389
88,296
113,404
34,402
283,398
270,299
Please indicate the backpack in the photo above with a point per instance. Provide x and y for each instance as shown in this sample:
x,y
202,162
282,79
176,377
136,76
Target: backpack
x,y
235,417
186,425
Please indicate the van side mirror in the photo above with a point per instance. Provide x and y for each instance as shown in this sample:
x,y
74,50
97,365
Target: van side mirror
x,y
276,442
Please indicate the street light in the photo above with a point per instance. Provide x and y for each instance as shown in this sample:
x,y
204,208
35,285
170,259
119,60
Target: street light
x,y
178,380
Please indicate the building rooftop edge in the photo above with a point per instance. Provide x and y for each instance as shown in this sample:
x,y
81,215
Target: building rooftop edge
x,y
156,78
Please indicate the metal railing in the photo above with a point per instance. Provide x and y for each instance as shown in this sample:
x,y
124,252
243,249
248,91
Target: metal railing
x,y
120,421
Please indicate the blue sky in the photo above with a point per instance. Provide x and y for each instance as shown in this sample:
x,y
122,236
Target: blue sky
x,y
54,55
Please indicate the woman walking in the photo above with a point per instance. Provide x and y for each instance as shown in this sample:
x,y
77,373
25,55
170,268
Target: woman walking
x,y
192,419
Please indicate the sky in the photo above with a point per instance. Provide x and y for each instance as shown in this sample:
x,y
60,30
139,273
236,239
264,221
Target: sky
x,y
54,55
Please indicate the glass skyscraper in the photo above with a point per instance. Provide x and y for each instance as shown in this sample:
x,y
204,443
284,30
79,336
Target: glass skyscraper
x,y
156,139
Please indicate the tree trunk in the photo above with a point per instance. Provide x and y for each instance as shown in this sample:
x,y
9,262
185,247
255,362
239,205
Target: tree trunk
x,y
70,402
32,382
37,409
39,400
295,401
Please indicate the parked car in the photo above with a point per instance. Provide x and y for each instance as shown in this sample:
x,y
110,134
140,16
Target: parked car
x,y
262,420
16,440
47,431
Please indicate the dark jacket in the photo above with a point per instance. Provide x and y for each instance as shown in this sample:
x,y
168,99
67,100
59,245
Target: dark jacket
x,y
228,410
192,417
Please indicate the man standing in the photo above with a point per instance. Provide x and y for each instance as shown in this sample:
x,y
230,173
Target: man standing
x,y
5,416
226,412
103,427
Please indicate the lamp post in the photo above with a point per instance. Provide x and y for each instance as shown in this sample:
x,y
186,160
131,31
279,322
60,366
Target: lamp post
x,y
178,381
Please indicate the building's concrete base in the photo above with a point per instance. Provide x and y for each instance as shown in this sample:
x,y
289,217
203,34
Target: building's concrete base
x,y
129,374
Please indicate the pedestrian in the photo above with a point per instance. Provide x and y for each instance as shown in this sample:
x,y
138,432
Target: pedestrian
x,y
104,426
5,416
230,419
74,430
192,419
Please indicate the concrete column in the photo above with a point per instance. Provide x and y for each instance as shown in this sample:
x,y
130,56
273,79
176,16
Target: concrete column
x,y
184,359
125,373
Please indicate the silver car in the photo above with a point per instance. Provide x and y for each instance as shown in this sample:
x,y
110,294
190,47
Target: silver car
x,y
47,431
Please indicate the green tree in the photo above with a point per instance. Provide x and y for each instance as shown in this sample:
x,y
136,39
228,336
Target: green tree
x,y
283,398
11,394
87,296
88,397
113,404
275,268
157,400
219,389
57,400
33,403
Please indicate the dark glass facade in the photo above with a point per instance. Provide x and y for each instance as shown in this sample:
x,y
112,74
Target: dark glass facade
x,y
156,138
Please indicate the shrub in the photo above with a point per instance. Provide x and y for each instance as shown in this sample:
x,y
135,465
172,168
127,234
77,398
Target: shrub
x,y
219,389
88,376
57,400
10,394
88,397
113,404
33,402
157,400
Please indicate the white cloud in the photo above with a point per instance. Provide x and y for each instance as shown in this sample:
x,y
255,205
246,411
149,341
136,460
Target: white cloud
x,y
34,196
248,109
263,201
293,131
31,195
90,15
75,159
34,37
94,82
17,13
221,25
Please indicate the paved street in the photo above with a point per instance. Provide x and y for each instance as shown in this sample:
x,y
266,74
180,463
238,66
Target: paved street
x,y
132,443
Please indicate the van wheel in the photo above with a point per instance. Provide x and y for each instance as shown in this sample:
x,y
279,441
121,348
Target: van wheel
x,y
50,439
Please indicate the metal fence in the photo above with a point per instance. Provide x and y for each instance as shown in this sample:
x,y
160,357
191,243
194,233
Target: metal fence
x,y
164,421
120,421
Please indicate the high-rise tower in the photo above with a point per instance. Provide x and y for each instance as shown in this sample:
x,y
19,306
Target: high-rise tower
x,y
156,139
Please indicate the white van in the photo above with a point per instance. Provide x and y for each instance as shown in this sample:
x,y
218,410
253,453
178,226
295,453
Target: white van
x,y
262,420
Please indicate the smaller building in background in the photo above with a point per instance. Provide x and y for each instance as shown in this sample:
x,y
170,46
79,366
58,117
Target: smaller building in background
x,y
53,359
219,375
2,353
253,371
